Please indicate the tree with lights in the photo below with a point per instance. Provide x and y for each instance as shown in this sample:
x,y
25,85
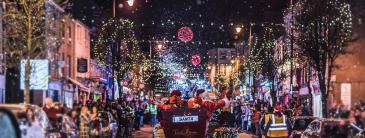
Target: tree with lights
x,y
220,82
270,65
253,63
25,35
151,72
324,28
117,47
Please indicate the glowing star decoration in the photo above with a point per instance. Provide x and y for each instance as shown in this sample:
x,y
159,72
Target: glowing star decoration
x,y
185,34
195,60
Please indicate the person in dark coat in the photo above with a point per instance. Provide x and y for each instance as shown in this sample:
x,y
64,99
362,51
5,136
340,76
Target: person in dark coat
x,y
138,112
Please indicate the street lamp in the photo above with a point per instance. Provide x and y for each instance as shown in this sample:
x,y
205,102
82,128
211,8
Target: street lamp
x,y
130,2
238,29
232,61
159,46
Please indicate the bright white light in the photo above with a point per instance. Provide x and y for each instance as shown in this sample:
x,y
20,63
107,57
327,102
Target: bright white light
x,y
130,2
238,29
159,46
120,5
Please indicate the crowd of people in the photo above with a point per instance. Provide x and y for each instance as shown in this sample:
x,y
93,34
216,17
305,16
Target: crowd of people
x,y
96,118
355,114
119,118
256,117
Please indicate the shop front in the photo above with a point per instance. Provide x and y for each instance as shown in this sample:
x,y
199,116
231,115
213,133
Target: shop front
x,y
55,91
80,93
303,96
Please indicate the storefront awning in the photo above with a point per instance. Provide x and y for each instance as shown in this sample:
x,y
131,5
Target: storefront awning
x,y
79,84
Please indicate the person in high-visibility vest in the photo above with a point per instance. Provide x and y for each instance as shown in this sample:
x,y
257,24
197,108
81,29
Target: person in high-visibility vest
x,y
278,125
152,109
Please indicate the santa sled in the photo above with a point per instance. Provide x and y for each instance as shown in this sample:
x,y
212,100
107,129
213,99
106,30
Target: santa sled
x,y
182,123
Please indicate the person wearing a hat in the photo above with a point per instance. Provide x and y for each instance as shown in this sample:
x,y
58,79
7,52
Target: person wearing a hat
x,y
277,125
173,102
208,105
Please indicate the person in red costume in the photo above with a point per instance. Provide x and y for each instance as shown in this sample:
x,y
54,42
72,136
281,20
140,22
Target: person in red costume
x,y
208,105
173,102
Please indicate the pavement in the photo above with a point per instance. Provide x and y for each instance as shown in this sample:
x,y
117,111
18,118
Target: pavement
x,y
145,132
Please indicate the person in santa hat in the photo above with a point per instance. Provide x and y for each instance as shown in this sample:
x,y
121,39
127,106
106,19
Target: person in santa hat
x,y
278,125
173,102
201,101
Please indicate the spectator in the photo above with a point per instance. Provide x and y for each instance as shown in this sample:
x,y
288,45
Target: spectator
x,y
70,124
33,130
256,121
245,116
94,113
84,122
305,110
237,112
51,112
138,113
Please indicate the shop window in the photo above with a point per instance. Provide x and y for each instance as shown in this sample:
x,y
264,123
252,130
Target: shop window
x,y
69,66
62,28
69,34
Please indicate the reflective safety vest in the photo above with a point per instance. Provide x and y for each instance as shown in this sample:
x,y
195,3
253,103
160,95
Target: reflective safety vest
x,y
152,108
278,127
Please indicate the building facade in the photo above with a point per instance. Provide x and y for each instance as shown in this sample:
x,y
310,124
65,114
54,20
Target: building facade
x,y
348,81
73,60
222,67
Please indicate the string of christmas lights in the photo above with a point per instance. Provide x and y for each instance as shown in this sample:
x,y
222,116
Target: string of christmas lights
x,y
117,46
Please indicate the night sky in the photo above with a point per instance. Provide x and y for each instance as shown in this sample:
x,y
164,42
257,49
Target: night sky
x,y
212,21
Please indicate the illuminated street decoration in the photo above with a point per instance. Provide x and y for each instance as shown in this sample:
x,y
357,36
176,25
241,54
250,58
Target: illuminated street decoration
x,y
195,60
185,34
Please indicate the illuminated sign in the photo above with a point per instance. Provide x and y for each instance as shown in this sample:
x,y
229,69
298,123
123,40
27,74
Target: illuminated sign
x,y
38,74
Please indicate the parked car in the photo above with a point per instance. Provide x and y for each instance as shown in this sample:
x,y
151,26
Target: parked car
x,y
109,124
19,111
360,134
299,124
9,127
329,128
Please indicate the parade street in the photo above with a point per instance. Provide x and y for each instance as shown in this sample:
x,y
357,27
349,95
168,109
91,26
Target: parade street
x,y
182,68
